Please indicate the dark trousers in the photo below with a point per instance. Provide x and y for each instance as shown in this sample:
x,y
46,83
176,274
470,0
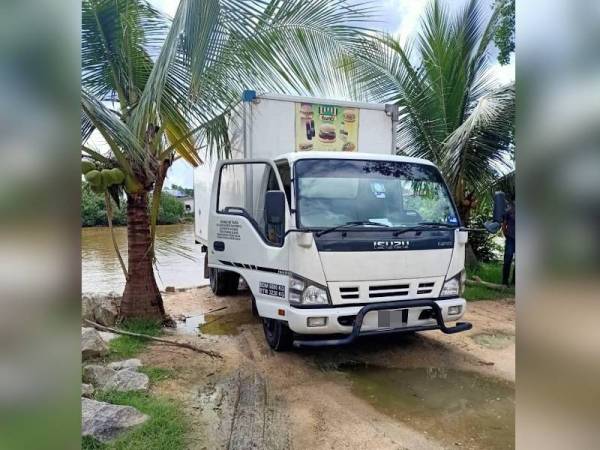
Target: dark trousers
x,y
509,253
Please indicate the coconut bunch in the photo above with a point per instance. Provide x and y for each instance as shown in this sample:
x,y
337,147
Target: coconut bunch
x,y
101,179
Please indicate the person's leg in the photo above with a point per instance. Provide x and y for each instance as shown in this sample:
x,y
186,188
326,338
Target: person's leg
x,y
509,250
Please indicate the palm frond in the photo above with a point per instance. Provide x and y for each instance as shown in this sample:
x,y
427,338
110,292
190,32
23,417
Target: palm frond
x,y
118,39
120,139
452,111
478,147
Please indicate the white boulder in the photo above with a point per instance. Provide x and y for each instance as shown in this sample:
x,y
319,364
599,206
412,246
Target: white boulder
x,y
128,380
105,422
98,375
92,345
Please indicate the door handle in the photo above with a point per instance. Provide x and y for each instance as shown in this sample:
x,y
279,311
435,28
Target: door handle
x,y
219,246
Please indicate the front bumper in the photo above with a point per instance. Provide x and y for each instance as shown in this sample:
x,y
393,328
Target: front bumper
x,y
364,318
439,312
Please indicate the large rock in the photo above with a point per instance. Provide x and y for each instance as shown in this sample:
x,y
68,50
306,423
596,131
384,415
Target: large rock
x,y
128,380
87,307
87,390
103,309
107,336
98,375
132,364
92,345
104,421
106,312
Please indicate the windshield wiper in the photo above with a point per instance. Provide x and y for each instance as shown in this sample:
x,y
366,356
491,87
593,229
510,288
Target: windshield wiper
x,y
425,226
350,224
438,224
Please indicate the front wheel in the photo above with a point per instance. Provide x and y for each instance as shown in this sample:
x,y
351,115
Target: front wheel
x,y
279,336
223,282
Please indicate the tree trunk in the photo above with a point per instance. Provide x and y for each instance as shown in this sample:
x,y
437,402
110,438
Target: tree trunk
x,y
141,298
465,202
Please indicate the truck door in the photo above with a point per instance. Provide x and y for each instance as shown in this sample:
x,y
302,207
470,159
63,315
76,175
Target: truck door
x,y
240,240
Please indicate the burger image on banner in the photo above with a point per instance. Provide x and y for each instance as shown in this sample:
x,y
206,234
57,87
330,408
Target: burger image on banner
x,y
349,147
350,115
327,133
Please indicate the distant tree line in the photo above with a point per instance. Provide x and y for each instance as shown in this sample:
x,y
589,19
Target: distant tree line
x,y
93,209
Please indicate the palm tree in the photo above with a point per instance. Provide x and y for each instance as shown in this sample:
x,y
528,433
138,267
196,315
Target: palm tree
x,y
172,84
453,111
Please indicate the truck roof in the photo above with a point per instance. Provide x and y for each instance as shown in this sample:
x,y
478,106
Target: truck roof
x,y
326,101
295,156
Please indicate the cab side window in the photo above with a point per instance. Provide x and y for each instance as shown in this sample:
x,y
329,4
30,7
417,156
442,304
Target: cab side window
x,y
283,167
242,189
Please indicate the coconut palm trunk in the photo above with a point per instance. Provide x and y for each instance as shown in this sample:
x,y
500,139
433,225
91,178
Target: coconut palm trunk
x,y
141,297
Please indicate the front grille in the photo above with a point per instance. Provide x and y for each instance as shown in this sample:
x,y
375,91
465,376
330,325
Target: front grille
x,y
363,292
388,290
425,288
349,293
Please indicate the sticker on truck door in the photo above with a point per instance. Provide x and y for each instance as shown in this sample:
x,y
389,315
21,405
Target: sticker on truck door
x,y
326,128
228,229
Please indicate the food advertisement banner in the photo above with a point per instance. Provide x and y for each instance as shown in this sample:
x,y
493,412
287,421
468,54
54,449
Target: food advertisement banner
x,y
326,128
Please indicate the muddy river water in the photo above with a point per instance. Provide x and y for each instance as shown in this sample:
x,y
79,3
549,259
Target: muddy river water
x,y
179,260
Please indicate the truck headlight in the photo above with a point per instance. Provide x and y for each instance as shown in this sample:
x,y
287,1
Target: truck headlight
x,y
454,286
306,292
314,295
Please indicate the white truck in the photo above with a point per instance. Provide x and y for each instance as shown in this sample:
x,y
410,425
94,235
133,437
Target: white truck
x,y
335,236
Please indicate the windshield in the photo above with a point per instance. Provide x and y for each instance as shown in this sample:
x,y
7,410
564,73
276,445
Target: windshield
x,y
333,192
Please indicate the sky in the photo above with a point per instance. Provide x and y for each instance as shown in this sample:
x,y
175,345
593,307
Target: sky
x,y
400,17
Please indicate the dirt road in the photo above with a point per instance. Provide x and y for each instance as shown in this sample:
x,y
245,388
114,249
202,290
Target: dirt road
x,y
422,391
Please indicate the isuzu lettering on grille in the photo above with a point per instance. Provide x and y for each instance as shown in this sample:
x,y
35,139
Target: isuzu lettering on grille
x,y
390,245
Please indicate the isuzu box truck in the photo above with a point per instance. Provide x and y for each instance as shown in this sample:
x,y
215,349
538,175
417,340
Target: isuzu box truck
x,y
335,236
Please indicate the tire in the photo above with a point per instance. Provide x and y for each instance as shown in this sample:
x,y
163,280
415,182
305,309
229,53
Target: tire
x,y
223,282
233,281
278,335
206,268
253,307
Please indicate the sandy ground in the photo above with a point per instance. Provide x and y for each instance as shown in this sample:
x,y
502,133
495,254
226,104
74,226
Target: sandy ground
x,y
257,398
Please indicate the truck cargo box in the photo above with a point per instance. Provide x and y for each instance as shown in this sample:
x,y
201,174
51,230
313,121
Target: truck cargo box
x,y
264,126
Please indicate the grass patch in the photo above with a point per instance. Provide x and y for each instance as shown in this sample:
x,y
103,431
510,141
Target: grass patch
x,y
165,429
124,347
157,374
491,272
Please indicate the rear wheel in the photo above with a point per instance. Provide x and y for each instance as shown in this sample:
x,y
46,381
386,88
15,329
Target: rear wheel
x,y
223,282
279,336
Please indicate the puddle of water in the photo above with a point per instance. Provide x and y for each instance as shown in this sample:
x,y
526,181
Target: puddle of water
x,y
190,325
226,324
456,407
496,340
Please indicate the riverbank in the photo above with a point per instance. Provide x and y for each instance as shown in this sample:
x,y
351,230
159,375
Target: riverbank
x,y
179,260
429,390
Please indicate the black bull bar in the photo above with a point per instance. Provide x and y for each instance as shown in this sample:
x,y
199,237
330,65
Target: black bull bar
x,y
402,304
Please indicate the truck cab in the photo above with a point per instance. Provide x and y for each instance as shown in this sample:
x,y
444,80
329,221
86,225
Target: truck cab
x,y
336,245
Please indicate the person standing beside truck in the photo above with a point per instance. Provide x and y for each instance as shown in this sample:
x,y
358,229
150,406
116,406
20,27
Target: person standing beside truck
x,y
508,228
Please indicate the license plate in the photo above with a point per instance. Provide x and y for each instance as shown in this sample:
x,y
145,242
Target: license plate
x,y
392,318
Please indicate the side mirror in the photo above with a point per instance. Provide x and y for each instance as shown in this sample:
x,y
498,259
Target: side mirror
x,y
275,207
499,208
275,216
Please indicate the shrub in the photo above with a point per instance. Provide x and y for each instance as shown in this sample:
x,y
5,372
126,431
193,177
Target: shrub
x,y
171,210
